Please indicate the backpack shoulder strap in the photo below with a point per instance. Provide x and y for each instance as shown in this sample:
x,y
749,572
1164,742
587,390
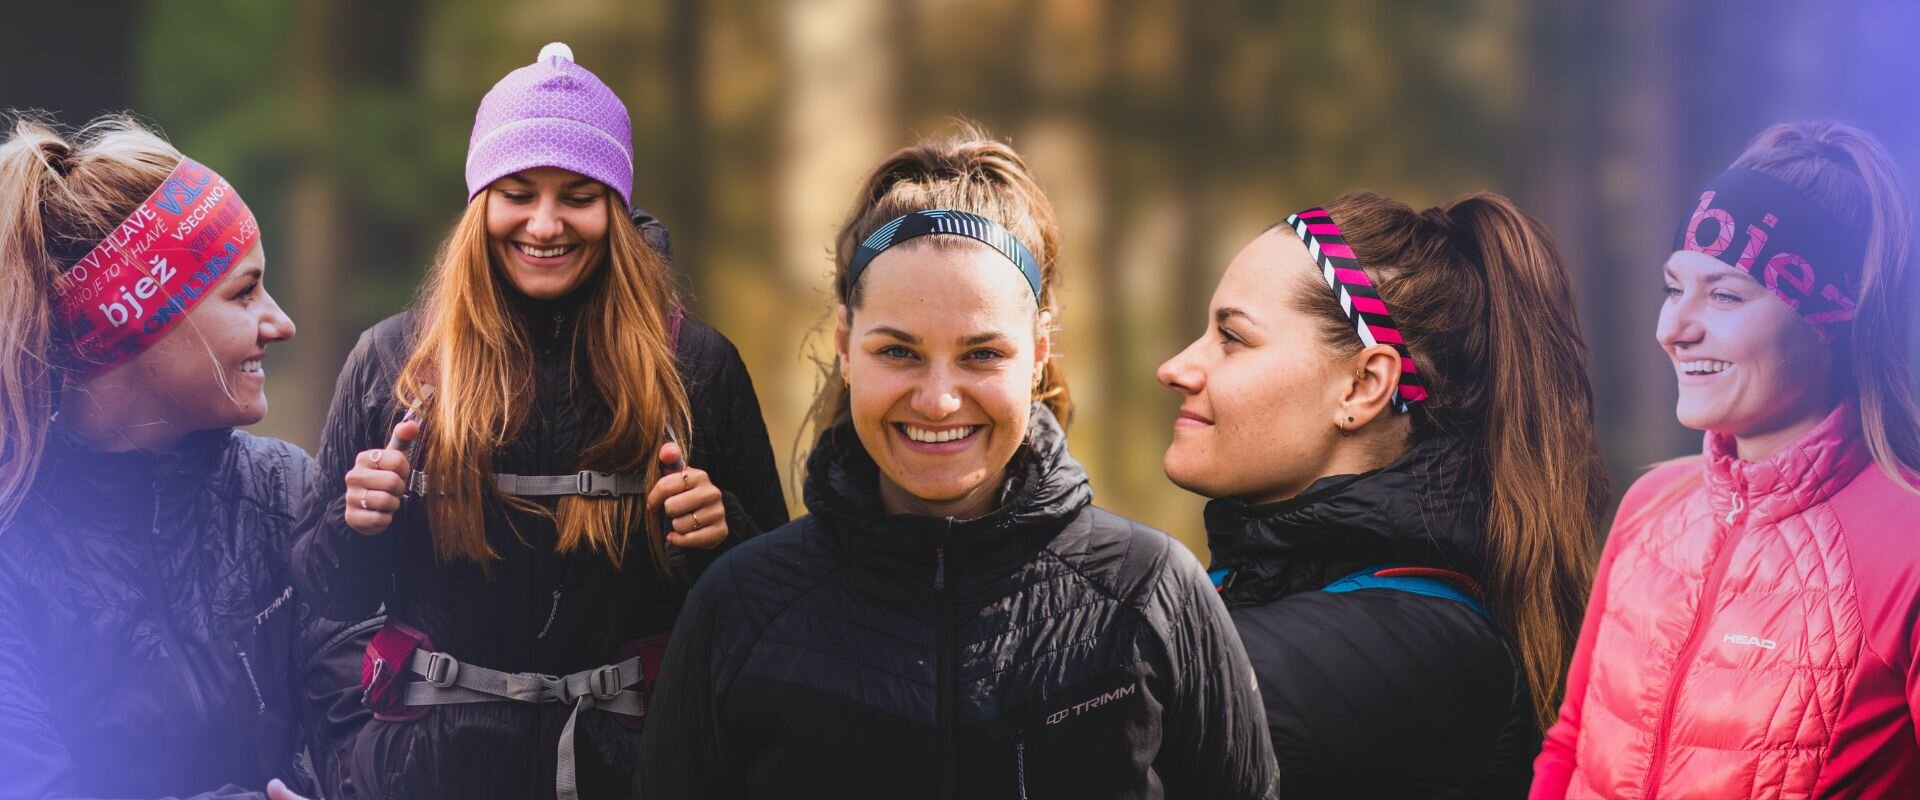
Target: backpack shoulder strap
x,y
1444,584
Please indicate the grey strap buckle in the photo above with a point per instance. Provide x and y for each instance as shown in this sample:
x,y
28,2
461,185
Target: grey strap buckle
x,y
442,670
605,682
596,484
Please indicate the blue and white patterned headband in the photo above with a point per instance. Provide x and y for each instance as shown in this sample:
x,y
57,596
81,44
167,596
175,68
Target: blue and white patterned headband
x,y
947,221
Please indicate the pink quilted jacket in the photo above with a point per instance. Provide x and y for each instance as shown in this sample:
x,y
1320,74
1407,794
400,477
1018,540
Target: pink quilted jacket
x,y
1753,636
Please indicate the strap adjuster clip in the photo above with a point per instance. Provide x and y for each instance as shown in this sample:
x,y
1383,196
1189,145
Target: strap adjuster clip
x,y
595,484
605,682
442,670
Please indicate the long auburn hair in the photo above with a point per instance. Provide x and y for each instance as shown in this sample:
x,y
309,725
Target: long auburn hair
x,y
967,171
59,197
1480,292
474,351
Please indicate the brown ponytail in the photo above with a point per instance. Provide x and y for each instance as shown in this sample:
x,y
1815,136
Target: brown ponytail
x,y
58,199
1485,301
1847,172
969,171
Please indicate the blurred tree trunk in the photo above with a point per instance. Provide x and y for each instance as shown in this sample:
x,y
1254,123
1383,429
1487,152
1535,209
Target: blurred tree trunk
x,y
1643,182
1604,161
842,61
312,264
35,78
689,175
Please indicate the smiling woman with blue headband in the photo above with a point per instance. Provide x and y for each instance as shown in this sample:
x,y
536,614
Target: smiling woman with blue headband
x,y
955,619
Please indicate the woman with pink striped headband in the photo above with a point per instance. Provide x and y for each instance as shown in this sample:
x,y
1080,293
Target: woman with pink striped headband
x,y
1391,412
1751,632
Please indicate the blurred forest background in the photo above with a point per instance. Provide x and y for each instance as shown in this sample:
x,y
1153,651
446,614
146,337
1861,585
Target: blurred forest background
x,y
1167,134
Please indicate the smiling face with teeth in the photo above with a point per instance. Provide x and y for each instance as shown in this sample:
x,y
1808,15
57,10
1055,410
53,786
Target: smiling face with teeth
x,y
547,229
206,373
1747,364
941,357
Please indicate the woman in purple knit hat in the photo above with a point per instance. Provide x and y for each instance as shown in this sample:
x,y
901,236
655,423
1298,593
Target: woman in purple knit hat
x,y
529,468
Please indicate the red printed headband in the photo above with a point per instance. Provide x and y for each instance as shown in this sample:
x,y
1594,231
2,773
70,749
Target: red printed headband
x,y
135,286
1357,297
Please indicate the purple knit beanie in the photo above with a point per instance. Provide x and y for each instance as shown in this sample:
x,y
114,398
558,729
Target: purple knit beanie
x,y
551,113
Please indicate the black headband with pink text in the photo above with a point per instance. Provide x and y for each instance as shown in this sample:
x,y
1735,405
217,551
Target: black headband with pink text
x,y
1769,230
1358,297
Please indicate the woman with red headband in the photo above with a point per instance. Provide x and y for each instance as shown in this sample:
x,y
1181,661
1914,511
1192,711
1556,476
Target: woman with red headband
x,y
1390,410
585,450
150,644
1751,632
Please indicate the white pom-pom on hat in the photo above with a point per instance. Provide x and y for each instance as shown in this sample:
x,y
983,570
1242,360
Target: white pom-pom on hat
x,y
553,49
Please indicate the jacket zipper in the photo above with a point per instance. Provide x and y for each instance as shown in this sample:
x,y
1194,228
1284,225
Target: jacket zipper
x,y
1709,591
948,663
167,625
247,667
1020,762
553,613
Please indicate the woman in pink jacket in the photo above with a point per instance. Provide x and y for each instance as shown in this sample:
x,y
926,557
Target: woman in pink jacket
x,y
1752,628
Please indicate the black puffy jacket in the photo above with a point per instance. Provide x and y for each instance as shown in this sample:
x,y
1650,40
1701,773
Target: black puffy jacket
x,y
539,610
1377,692
1048,649
150,641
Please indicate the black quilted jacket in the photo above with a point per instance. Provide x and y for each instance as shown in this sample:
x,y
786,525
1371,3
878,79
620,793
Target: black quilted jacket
x,y
1048,649
151,643
1378,692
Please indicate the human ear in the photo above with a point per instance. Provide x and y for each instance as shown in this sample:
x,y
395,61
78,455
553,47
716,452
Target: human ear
x,y
1375,375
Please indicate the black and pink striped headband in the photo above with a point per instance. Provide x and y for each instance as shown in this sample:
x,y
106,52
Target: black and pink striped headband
x,y
1357,296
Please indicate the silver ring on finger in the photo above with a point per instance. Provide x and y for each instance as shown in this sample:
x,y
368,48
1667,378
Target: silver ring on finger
x,y
363,502
377,454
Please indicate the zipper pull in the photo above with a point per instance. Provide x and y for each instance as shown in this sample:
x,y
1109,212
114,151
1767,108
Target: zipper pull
x,y
1738,506
1020,761
552,614
939,567
247,667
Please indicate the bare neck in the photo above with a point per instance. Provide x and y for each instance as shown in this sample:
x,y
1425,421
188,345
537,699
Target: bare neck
x,y
114,421
973,505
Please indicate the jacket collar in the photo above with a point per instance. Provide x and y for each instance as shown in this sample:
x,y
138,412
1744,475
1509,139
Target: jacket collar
x,y
76,475
1424,509
1045,489
1801,475
547,321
